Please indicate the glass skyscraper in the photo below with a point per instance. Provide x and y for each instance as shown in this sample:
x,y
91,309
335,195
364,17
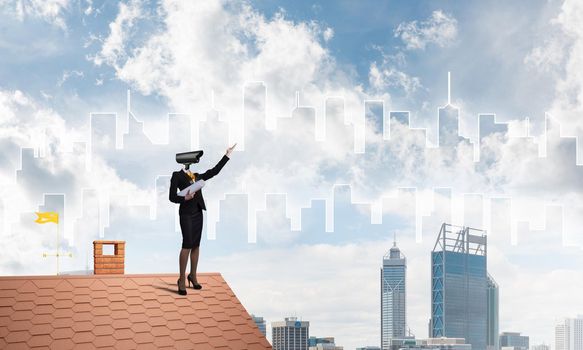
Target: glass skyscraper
x,y
393,297
459,284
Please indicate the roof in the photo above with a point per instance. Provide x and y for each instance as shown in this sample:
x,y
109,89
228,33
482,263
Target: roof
x,y
123,312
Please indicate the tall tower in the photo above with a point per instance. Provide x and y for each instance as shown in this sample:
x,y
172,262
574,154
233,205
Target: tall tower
x,y
393,297
492,340
459,285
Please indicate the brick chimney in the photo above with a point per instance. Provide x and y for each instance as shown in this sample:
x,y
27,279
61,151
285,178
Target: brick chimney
x,y
109,264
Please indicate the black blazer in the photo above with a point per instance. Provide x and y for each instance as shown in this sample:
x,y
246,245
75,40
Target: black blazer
x,y
180,180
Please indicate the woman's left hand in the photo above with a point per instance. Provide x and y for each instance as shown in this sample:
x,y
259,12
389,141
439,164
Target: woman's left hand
x,y
230,149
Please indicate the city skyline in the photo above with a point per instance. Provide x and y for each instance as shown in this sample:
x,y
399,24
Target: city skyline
x,y
180,127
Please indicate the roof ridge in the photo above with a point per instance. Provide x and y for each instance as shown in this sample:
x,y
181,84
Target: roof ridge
x,y
28,277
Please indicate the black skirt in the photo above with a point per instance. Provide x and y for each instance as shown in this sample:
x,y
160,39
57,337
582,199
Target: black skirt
x,y
191,227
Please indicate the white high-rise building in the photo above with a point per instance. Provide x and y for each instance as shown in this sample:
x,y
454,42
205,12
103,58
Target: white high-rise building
x,y
576,334
290,334
569,334
562,336
393,297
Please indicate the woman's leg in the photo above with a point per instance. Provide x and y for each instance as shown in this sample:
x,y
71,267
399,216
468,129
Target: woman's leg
x,y
186,228
183,260
194,253
194,262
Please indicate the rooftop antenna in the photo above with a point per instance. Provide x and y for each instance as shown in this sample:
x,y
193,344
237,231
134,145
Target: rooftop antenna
x,y
395,239
448,88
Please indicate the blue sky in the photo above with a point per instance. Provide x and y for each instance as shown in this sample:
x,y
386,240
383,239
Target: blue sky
x,y
287,183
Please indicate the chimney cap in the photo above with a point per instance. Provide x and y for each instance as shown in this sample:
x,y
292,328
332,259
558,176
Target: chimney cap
x,y
109,242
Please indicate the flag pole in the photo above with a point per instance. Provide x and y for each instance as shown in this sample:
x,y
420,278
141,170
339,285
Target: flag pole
x,y
57,247
44,217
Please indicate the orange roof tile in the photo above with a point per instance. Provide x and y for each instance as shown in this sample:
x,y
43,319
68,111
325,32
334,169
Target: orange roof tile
x,y
124,312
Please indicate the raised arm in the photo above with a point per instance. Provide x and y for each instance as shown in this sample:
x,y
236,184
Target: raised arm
x,y
173,196
215,170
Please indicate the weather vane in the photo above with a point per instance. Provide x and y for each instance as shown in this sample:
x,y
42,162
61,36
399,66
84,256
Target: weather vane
x,y
51,216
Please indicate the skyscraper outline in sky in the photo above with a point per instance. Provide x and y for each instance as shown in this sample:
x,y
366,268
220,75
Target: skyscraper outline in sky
x,y
122,129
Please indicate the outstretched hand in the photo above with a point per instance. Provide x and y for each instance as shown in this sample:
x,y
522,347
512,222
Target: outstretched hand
x,y
230,149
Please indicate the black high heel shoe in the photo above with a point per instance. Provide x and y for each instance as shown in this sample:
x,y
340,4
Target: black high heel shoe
x,y
180,291
194,285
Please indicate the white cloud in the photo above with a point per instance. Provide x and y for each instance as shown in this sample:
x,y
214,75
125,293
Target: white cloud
x,y
387,73
328,34
548,56
385,76
112,47
51,11
225,46
439,29
568,104
89,9
67,74
560,56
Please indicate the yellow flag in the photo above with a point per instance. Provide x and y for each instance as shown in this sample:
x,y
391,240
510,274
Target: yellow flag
x,y
49,216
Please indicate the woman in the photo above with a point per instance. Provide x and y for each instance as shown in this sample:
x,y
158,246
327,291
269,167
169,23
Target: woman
x,y
190,212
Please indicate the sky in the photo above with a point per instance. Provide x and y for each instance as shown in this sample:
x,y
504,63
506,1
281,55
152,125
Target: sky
x,y
97,97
